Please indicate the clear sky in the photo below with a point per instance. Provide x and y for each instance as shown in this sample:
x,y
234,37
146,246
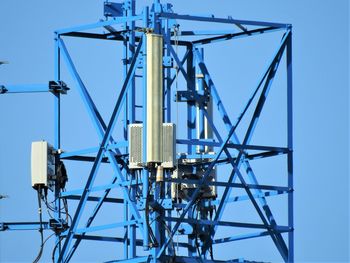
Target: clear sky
x,y
321,109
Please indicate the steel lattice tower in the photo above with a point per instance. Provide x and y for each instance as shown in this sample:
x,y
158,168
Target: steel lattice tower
x,y
165,193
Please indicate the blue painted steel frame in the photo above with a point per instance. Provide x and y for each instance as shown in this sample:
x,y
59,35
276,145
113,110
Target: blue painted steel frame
x,y
159,19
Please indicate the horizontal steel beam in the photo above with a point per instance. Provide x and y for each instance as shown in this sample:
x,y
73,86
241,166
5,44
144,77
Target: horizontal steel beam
x,y
101,24
52,86
233,145
182,259
244,236
226,223
4,226
132,260
104,227
116,37
95,199
220,20
101,188
229,36
237,185
90,150
138,242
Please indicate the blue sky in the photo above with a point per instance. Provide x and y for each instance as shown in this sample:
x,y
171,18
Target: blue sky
x,y
321,108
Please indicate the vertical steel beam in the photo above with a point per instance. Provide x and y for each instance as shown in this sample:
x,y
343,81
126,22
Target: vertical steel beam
x,y
168,118
145,181
132,119
126,123
290,147
191,106
57,135
200,89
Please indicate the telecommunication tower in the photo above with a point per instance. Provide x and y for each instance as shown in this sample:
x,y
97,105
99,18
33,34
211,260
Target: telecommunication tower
x,y
165,193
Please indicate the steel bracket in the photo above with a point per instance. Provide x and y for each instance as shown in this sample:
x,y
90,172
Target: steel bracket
x,y
58,226
192,96
58,87
3,90
166,203
168,62
140,63
113,9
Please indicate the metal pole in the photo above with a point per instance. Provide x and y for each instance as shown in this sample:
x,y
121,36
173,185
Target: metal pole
x,y
132,116
57,132
145,182
290,147
126,122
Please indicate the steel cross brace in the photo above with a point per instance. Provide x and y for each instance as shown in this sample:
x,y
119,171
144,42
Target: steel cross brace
x,y
96,210
249,170
236,163
218,100
201,182
90,220
177,60
100,127
93,173
221,107
196,193
95,116
98,122
235,167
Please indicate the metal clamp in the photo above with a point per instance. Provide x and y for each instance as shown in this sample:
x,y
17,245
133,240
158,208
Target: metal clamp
x,y
58,87
191,96
3,90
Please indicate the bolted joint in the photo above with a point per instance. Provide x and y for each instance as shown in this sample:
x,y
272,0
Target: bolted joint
x,y
126,61
3,90
191,97
58,87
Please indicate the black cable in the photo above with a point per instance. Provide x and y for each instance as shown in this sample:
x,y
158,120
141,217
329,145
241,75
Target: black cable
x,y
54,249
151,234
62,176
129,190
211,252
65,208
172,241
211,228
196,232
137,195
51,207
41,227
